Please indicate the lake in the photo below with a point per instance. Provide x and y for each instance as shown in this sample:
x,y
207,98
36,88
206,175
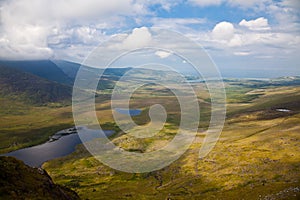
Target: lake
x,y
130,112
59,145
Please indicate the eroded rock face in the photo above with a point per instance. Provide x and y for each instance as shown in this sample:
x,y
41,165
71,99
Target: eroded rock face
x,y
19,181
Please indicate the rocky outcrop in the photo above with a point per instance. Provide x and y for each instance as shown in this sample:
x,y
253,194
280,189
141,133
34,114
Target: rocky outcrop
x,y
19,181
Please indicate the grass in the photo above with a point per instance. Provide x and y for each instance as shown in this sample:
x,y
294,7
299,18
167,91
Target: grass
x,y
24,125
260,165
256,156
239,94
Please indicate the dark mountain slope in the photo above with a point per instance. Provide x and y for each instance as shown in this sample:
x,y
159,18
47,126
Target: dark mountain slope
x,y
42,68
69,68
17,84
19,181
107,81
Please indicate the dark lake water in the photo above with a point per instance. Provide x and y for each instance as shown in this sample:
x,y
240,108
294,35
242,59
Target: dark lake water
x,y
65,144
130,112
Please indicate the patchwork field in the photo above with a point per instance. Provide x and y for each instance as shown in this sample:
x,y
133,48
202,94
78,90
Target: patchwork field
x,y
256,156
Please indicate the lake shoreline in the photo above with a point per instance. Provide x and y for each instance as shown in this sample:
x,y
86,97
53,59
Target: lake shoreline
x,y
60,144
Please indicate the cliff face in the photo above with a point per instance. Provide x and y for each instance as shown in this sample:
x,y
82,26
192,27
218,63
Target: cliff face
x,y
19,181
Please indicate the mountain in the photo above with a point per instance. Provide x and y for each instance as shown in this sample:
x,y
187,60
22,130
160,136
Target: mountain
x,y
17,84
64,72
42,68
19,181
107,81
44,81
69,68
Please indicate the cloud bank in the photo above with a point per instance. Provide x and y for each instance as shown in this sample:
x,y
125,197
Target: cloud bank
x,y
70,29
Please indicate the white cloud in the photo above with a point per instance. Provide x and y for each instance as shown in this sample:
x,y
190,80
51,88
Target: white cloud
x,y
242,53
86,35
31,26
244,4
223,31
249,3
295,4
162,54
286,15
236,41
257,24
174,22
140,37
182,25
25,41
164,4
32,29
258,38
205,2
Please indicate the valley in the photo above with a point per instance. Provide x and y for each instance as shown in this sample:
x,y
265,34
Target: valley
x,y
150,100
256,156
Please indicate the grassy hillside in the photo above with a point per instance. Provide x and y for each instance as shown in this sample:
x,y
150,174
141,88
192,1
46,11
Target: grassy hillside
x,y
256,157
24,125
18,181
28,88
42,68
32,108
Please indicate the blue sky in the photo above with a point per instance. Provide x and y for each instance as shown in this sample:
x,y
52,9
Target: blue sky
x,y
250,37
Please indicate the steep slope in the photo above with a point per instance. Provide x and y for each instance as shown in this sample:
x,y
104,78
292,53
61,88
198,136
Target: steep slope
x,y
18,181
42,68
16,84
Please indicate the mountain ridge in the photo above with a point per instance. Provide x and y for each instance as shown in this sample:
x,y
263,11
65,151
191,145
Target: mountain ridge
x,y
17,84
42,68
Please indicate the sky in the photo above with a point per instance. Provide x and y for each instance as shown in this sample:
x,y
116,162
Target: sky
x,y
250,37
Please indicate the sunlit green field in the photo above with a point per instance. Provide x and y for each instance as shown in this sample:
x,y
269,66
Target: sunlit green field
x,y
23,125
257,156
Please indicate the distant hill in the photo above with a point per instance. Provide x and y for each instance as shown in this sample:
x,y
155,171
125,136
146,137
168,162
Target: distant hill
x,y
44,81
19,181
17,84
69,68
42,68
65,72
108,79
274,82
